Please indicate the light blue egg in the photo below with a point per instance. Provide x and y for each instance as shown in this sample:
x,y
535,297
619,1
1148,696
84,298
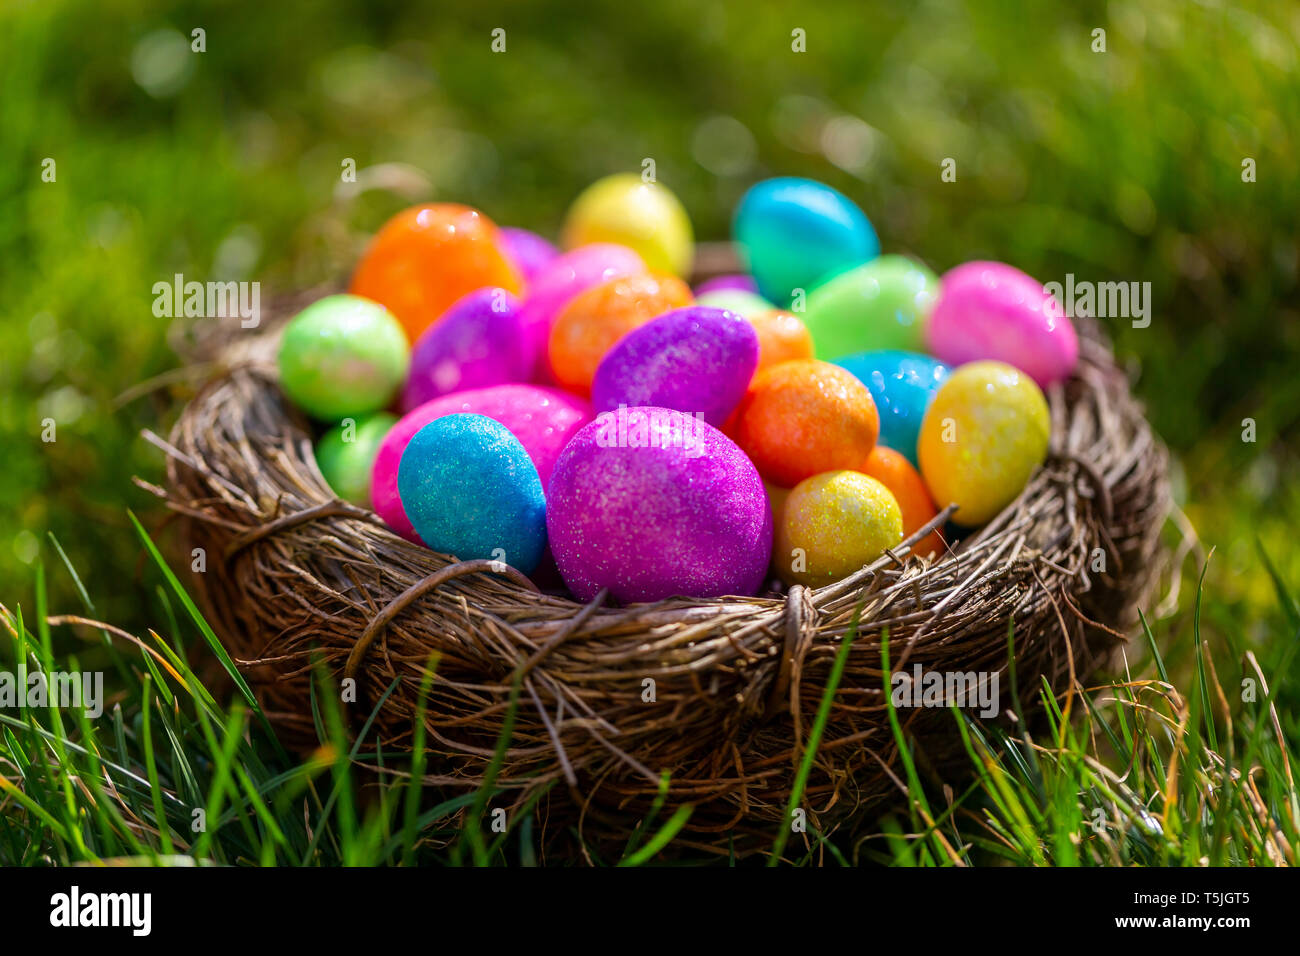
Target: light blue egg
x,y
902,383
795,232
471,491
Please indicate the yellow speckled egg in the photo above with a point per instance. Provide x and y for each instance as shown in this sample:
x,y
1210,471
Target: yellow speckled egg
x,y
832,524
982,437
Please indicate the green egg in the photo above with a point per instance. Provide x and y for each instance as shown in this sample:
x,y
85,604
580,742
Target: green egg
x,y
744,303
343,356
346,454
880,305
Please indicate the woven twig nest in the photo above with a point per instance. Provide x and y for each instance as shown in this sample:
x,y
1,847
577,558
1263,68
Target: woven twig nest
x,y
293,573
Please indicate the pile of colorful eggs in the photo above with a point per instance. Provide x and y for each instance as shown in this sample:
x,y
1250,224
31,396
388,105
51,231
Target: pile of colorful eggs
x,y
588,418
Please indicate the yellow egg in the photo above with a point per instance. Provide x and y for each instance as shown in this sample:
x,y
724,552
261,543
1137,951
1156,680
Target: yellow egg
x,y
984,434
646,217
831,525
776,496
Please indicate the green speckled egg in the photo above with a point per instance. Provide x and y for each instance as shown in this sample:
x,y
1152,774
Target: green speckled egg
x,y
343,356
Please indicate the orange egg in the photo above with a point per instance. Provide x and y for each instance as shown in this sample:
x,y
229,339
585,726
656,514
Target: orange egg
x,y
595,320
896,473
804,417
426,257
782,337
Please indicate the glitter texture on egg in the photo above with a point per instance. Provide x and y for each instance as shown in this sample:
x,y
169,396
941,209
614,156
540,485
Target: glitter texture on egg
x,y
543,419
804,417
833,524
471,491
651,503
695,360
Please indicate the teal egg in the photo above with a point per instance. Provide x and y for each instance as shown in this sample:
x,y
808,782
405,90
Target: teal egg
x,y
796,231
470,490
883,304
903,384
346,454
343,356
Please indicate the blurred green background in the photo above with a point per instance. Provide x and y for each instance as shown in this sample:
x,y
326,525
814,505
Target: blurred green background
x,y
1123,165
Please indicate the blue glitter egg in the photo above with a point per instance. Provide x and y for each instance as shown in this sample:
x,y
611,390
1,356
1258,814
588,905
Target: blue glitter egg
x,y
902,383
796,232
471,490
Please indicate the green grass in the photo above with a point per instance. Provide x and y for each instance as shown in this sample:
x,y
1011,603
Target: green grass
x,y
1146,774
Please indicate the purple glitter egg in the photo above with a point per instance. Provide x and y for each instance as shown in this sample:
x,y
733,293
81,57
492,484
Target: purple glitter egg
x,y
650,503
527,250
696,360
477,342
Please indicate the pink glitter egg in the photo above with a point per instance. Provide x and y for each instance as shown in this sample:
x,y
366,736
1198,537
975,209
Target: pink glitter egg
x,y
566,276
650,502
527,250
543,419
990,310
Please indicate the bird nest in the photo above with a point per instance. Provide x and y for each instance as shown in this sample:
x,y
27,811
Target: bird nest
x,y
712,702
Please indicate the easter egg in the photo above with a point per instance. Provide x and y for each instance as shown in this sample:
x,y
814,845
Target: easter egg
x,y
346,455
471,491
782,337
342,355
426,257
594,321
645,217
985,433
776,496
832,525
882,304
902,384
564,278
735,300
895,472
529,252
478,342
652,503
695,360
990,310
804,417
737,282
796,231
543,419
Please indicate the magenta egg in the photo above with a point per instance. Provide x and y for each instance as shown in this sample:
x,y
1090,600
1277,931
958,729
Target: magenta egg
x,y
477,342
651,502
529,251
543,419
566,276
990,310
736,282
696,360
